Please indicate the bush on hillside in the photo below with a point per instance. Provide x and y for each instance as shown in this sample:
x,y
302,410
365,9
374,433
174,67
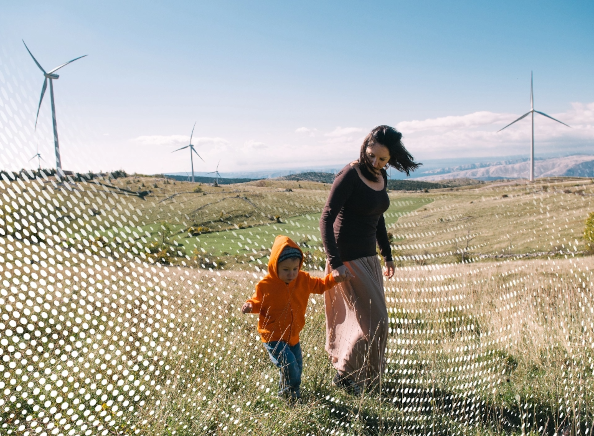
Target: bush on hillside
x,y
589,233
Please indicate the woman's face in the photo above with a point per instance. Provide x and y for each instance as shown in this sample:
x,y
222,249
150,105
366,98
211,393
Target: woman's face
x,y
378,155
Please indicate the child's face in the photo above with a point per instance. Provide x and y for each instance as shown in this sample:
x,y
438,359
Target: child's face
x,y
288,269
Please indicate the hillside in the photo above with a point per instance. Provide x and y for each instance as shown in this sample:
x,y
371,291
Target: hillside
x,y
210,180
121,312
394,185
571,166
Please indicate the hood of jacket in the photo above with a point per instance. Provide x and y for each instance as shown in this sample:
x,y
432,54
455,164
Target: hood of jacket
x,y
280,243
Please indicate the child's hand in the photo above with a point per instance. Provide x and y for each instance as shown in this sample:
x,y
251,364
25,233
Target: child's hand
x,y
247,307
342,274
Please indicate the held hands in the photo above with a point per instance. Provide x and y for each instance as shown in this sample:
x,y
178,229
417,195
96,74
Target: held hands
x,y
342,274
390,268
247,307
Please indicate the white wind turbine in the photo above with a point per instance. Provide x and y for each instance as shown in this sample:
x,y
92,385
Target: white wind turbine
x,y
532,111
216,172
39,158
49,75
192,149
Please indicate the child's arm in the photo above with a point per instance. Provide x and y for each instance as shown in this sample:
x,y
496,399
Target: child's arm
x,y
254,304
319,286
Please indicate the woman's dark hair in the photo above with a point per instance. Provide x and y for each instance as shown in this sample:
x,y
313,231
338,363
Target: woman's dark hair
x,y
390,138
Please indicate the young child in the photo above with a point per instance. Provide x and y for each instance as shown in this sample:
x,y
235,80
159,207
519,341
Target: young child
x,y
281,300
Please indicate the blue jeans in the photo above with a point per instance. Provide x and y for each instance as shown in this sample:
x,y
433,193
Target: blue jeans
x,y
289,361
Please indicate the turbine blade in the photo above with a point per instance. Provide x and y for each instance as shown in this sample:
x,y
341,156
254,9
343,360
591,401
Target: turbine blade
x,y
531,91
63,65
542,113
180,148
32,158
218,164
40,67
40,100
42,158
523,116
197,153
192,134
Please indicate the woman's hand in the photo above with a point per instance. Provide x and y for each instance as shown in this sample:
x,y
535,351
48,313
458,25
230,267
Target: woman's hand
x,y
342,274
247,307
390,268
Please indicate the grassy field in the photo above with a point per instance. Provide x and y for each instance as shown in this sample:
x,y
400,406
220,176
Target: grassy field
x,y
117,320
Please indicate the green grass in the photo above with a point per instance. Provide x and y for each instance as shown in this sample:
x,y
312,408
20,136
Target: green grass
x,y
299,228
477,348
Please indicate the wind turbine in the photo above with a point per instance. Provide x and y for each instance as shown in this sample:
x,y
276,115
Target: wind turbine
x,y
39,158
216,172
192,149
532,111
49,75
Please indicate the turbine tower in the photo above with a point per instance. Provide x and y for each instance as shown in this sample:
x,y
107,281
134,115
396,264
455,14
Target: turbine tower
x,y
532,111
216,172
192,149
49,75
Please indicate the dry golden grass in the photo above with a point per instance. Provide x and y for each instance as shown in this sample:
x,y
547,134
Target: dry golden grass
x,y
96,339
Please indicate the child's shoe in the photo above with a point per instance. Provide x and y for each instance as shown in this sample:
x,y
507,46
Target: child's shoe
x,y
291,397
347,384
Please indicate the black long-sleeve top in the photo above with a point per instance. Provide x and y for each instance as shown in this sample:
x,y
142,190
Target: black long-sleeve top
x,y
353,219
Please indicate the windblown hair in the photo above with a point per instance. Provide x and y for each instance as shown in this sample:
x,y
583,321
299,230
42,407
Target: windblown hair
x,y
390,138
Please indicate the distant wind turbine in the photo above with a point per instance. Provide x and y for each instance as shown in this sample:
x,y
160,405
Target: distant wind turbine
x,y
216,172
532,111
39,158
51,76
192,149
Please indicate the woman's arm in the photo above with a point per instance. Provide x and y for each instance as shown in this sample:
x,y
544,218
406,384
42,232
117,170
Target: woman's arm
x,y
381,234
342,189
383,241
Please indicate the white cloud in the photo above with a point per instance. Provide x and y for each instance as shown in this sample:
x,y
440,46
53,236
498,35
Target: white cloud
x,y
477,134
343,131
162,140
344,135
204,141
453,122
177,140
306,131
255,145
579,114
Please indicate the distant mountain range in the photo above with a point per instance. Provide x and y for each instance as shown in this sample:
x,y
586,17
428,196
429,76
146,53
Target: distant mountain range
x,y
210,180
569,166
512,167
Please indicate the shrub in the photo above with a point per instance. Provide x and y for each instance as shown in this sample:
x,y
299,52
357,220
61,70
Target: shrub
x,y
314,259
207,260
198,189
160,253
304,242
198,230
119,174
589,233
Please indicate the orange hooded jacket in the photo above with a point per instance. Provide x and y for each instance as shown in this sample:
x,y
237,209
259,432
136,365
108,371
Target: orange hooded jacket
x,y
282,306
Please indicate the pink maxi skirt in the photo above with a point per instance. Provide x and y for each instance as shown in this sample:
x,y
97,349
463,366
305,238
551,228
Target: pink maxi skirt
x,y
357,322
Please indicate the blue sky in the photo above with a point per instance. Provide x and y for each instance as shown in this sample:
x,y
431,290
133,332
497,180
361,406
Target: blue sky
x,y
285,84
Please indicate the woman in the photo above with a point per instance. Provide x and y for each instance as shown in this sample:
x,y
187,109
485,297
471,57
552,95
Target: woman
x,y
351,223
